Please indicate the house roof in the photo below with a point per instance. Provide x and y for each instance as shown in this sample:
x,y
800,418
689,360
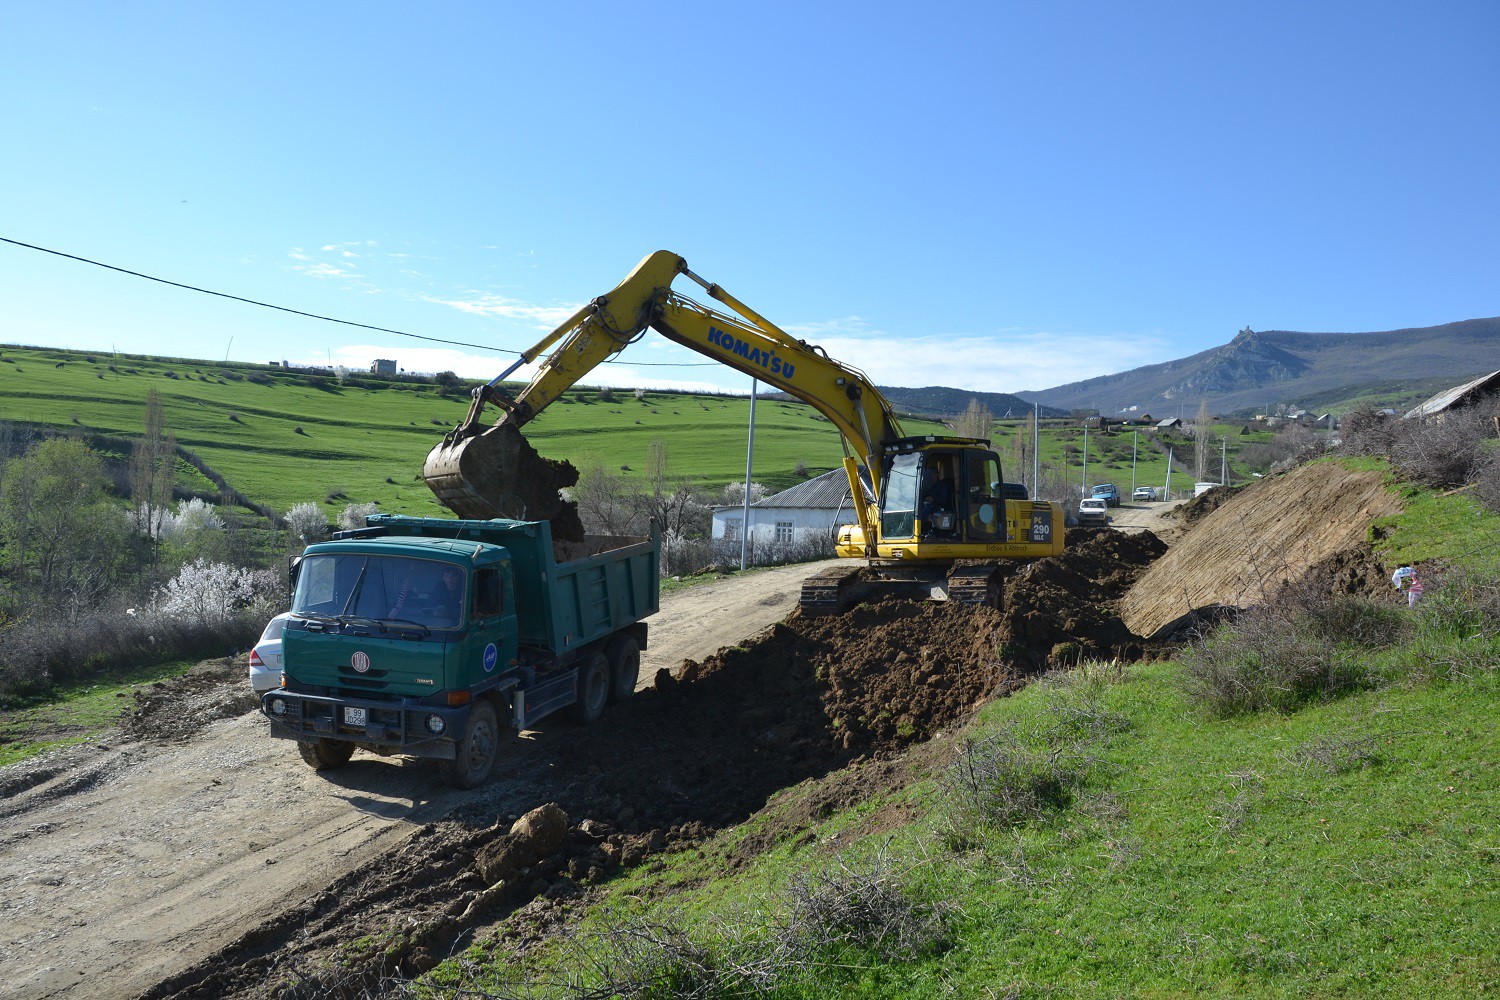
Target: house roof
x,y
825,492
1459,395
1171,422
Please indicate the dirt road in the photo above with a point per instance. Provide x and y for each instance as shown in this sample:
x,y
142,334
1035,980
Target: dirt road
x,y
126,862
1153,517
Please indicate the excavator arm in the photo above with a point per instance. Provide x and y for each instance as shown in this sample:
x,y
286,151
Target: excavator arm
x,y
471,469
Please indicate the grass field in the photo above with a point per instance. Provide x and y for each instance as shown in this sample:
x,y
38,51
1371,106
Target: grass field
x,y
1122,455
75,714
286,441
286,438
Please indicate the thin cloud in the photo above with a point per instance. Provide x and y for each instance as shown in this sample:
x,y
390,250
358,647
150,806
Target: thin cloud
x,y
503,307
1009,363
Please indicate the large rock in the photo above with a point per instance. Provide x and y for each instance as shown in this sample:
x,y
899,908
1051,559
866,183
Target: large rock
x,y
533,837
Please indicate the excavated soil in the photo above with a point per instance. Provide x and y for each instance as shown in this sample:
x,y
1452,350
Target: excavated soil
x,y
172,711
1315,518
1203,504
825,707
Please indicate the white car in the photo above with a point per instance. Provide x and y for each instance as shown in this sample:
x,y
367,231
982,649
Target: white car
x,y
1093,511
265,658
1144,493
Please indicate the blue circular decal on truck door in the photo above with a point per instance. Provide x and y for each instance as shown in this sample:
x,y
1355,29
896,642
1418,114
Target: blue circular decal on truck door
x,y
490,657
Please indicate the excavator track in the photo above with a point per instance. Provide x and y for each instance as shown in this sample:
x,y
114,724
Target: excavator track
x,y
828,592
837,589
980,583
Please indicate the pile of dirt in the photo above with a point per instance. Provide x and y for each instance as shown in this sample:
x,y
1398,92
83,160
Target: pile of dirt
x,y
1315,518
175,709
1203,504
1064,607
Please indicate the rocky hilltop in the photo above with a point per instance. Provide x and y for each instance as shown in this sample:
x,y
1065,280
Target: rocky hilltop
x,y
1259,369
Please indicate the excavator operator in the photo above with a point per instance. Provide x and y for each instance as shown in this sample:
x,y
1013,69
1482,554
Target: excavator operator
x,y
937,499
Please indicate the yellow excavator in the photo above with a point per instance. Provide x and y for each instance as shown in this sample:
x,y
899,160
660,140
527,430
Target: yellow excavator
x,y
933,515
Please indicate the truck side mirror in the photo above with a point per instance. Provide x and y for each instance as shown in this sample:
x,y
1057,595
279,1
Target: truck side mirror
x,y
293,567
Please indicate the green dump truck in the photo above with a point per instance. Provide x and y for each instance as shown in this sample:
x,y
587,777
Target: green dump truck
x,y
432,637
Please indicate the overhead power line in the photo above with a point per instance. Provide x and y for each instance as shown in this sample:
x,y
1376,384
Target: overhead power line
x,y
330,319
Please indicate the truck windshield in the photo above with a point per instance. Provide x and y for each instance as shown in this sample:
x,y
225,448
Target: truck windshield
x,y
423,591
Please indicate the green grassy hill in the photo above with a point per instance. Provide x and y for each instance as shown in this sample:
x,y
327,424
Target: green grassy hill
x,y
282,438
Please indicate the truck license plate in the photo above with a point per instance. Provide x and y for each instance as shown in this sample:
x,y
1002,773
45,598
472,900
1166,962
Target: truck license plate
x,y
355,716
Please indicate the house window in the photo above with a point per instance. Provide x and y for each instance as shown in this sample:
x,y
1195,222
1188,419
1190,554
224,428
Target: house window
x,y
731,528
783,532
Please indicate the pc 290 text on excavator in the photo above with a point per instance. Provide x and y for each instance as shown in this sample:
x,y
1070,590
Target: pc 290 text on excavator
x,y
933,515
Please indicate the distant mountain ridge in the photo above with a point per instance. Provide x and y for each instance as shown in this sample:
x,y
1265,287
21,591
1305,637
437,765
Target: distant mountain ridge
x,y
943,401
1259,369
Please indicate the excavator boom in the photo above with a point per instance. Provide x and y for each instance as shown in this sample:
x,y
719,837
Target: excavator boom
x,y
481,472
926,506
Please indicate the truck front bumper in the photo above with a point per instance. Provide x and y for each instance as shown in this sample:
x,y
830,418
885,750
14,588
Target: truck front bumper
x,y
404,726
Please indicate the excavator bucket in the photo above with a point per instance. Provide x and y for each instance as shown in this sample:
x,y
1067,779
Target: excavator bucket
x,y
490,472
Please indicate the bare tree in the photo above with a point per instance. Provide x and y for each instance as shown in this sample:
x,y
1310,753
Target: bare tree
x,y
975,422
604,500
1202,441
1019,457
153,471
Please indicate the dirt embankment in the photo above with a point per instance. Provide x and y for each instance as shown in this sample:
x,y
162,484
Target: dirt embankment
x,y
1247,544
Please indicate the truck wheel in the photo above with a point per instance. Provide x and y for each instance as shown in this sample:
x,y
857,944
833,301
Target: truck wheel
x,y
476,752
325,755
624,667
593,688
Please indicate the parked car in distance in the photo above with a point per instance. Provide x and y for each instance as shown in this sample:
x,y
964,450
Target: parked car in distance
x,y
265,658
1107,492
1144,493
1093,511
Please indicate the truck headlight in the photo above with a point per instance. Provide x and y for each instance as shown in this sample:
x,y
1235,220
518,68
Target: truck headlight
x,y
436,724
278,706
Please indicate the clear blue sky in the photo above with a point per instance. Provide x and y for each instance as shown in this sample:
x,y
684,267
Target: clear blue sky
x,y
997,196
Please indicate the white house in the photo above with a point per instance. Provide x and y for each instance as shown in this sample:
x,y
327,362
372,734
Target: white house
x,y
816,506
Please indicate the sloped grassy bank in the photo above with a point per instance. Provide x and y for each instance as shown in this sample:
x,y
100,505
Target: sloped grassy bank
x,y
1109,831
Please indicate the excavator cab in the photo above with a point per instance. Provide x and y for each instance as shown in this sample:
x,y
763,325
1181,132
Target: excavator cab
x,y
942,491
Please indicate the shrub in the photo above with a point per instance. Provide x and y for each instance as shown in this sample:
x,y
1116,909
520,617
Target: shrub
x,y
868,905
1436,451
1441,451
1000,781
1304,643
1487,481
354,515
49,650
216,592
307,521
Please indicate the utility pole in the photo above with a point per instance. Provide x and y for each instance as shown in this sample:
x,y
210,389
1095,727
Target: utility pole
x,y
1036,451
1134,443
1085,457
1223,461
1169,474
749,465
